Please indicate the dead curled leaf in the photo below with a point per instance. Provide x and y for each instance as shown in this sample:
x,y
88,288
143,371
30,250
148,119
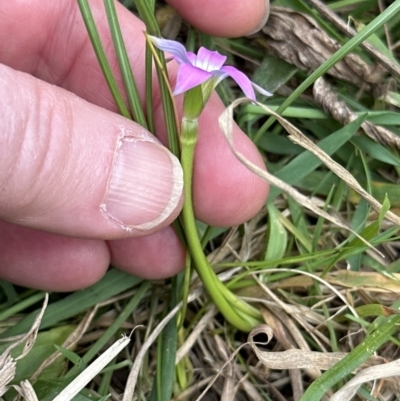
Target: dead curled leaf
x,y
297,39
297,358
293,358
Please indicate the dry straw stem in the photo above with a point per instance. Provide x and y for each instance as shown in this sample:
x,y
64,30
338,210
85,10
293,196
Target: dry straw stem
x,y
392,67
297,39
296,136
329,101
69,343
194,335
391,369
368,281
26,391
92,370
7,362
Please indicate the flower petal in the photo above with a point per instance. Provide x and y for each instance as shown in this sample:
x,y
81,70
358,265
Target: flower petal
x,y
189,77
245,84
241,79
209,60
171,46
261,90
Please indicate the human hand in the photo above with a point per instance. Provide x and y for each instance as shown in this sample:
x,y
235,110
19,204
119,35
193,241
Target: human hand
x,y
64,215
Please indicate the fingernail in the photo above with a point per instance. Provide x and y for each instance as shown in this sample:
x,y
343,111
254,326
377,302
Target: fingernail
x,y
145,185
263,20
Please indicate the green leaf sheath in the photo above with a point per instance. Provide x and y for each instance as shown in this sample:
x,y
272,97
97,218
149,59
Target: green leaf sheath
x,y
236,311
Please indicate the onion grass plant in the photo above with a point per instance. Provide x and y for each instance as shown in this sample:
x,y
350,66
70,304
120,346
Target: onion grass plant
x,y
330,299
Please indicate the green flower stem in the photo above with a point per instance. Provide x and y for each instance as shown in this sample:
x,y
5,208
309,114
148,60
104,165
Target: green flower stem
x,y
240,314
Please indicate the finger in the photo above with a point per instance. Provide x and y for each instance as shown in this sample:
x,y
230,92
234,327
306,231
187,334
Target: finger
x,y
157,256
226,192
71,167
50,262
74,66
230,18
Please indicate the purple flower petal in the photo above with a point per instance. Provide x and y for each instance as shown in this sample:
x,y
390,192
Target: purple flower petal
x,y
241,79
171,46
197,69
208,60
191,57
189,77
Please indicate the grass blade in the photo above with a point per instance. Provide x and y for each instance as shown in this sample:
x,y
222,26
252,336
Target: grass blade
x,y
101,57
166,100
354,359
113,283
124,65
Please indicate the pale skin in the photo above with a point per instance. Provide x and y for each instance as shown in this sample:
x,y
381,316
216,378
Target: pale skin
x,y
61,133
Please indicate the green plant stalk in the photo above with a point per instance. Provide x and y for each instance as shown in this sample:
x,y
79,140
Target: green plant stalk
x,y
240,314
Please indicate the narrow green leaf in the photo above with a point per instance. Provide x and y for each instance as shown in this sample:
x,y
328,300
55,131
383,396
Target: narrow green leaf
x,y
113,283
102,58
70,355
147,14
376,150
166,350
124,64
22,305
276,234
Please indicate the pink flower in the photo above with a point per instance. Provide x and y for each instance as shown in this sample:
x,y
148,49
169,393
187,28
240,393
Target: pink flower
x,y
206,69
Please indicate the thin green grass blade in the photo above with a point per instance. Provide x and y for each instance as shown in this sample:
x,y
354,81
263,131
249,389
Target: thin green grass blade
x,y
166,350
116,325
22,305
276,235
8,290
102,58
354,359
148,17
320,223
376,150
113,283
124,64
377,23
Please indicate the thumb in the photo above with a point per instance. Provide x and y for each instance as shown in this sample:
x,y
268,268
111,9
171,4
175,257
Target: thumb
x,y
73,168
